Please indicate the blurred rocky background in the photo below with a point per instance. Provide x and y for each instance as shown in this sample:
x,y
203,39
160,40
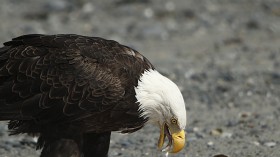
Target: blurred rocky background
x,y
223,54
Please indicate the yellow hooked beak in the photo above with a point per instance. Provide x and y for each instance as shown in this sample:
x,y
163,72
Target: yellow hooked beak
x,y
176,140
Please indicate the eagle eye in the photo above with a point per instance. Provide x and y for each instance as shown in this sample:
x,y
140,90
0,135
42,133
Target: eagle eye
x,y
173,120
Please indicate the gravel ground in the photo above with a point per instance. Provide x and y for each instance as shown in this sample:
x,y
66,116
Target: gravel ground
x,y
224,55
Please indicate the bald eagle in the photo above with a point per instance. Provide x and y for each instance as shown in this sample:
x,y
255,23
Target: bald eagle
x,y
72,91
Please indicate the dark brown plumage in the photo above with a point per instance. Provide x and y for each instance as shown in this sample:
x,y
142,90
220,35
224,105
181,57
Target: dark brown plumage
x,y
68,87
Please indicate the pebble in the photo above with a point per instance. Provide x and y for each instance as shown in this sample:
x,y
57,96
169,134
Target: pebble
x,y
244,114
189,73
210,143
227,135
196,129
189,14
170,6
57,5
148,13
256,143
216,132
88,8
253,24
270,144
220,155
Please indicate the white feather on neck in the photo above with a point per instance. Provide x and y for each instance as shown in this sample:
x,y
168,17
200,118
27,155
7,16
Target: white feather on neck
x,y
160,98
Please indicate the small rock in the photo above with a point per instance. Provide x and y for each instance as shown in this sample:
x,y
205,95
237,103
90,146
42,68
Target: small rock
x,y
233,41
252,24
210,143
231,105
227,135
199,76
148,13
189,73
88,8
256,143
28,142
58,5
216,132
196,129
126,2
270,144
231,123
189,14
220,155
249,93
244,114
170,6
199,135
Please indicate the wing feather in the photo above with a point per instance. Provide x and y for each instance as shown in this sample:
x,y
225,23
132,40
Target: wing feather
x,y
76,74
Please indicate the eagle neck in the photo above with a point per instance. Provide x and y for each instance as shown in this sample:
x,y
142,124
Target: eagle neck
x,y
149,95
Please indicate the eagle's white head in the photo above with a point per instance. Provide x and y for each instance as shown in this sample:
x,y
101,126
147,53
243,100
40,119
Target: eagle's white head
x,y
162,103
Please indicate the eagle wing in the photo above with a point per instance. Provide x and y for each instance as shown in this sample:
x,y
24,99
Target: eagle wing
x,y
70,74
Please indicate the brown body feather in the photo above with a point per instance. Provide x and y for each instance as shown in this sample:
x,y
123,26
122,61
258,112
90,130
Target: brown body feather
x,y
65,86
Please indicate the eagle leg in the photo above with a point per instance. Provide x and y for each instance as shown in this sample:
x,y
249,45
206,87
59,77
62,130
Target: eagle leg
x,y
61,148
96,144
